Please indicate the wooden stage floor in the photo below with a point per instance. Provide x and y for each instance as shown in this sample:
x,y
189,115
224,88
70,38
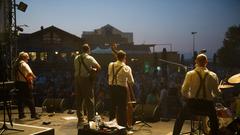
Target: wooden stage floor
x,y
65,124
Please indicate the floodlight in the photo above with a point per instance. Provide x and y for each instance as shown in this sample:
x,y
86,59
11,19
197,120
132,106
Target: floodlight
x,y
22,6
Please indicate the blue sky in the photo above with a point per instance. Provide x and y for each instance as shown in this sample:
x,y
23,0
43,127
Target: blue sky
x,y
151,21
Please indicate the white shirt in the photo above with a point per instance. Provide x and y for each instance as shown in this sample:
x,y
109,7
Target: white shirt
x,y
192,83
123,77
25,69
88,60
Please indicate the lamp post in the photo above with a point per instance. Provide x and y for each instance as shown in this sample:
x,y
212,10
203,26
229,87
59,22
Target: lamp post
x,y
193,48
193,33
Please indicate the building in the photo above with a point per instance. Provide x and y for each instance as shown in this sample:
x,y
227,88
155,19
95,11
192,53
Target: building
x,y
51,46
107,35
55,47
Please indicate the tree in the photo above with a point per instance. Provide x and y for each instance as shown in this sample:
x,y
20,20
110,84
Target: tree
x,y
229,54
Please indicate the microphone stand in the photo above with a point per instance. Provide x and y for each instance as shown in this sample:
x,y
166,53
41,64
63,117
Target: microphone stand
x,y
141,104
174,63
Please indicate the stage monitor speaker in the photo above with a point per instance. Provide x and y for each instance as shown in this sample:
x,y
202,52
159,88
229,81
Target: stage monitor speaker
x,y
147,112
54,104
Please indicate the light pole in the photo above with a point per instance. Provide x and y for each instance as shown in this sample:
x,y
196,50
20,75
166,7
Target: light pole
x,y
193,48
193,33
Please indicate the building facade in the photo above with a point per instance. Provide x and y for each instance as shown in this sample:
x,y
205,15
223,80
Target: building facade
x,y
107,35
50,47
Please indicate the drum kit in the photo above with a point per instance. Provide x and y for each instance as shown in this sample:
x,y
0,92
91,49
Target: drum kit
x,y
233,80
224,114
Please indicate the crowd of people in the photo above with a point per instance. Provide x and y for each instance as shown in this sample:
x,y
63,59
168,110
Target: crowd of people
x,y
108,92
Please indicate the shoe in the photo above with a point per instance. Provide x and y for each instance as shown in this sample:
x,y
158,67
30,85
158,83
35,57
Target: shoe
x,y
165,119
36,116
81,125
22,116
70,111
129,128
129,132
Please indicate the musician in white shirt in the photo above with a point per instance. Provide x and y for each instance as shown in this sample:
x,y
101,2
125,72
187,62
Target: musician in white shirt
x,y
199,88
119,77
24,83
83,63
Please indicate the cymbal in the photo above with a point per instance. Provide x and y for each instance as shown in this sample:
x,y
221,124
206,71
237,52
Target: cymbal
x,y
234,79
225,86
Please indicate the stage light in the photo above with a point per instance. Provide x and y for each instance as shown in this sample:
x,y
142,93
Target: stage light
x,y
146,67
22,6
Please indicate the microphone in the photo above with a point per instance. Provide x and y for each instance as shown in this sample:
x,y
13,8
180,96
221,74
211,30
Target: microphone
x,y
134,59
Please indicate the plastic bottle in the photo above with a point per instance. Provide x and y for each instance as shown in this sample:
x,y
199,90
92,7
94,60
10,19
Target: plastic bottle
x,y
98,120
44,109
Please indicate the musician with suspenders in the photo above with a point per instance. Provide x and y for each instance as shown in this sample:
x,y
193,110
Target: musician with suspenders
x,y
199,88
84,65
119,77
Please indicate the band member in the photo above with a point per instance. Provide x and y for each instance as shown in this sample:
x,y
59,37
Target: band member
x,y
119,77
24,83
85,66
199,88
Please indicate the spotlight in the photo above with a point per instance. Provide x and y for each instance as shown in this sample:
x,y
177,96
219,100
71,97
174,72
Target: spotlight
x,y
22,6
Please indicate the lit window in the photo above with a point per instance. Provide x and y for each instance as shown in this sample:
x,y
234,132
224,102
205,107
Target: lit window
x,y
43,56
33,55
64,55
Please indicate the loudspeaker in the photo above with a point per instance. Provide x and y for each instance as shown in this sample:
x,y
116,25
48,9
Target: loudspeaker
x,y
147,112
54,104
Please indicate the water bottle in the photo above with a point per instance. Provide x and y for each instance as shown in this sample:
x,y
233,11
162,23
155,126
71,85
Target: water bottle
x,y
44,109
97,121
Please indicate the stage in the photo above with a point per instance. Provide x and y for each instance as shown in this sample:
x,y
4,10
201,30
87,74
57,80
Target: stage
x,y
65,124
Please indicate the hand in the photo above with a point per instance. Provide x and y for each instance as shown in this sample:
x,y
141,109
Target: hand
x,y
114,46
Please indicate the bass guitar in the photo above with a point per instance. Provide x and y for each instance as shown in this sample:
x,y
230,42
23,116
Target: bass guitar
x,y
130,94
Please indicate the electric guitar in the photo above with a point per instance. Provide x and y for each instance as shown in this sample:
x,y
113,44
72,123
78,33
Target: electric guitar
x,y
30,79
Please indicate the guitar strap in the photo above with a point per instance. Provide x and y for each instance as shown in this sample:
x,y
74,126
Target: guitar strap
x,y
22,73
84,64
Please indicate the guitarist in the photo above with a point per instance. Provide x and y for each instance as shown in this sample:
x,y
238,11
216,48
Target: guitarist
x,y
84,65
24,83
119,76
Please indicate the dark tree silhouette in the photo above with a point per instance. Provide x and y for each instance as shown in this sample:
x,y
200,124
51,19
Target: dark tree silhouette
x,y
229,54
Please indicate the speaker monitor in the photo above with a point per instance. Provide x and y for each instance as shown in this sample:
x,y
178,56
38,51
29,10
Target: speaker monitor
x,y
147,112
54,104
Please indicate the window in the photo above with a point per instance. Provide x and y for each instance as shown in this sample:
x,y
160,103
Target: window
x,y
43,56
33,56
51,38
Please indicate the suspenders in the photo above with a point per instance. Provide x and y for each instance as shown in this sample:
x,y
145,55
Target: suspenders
x,y
202,84
115,75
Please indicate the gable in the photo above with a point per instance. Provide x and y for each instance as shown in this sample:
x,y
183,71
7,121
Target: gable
x,y
49,38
